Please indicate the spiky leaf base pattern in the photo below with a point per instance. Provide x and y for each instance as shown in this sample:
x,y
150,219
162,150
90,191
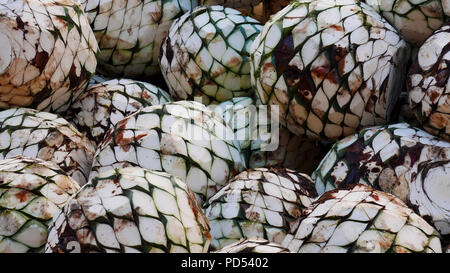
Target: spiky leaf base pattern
x,y
48,53
414,19
360,219
182,138
330,66
130,33
31,192
260,202
253,245
206,55
105,104
46,136
383,157
428,80
392,159
131,210
253,130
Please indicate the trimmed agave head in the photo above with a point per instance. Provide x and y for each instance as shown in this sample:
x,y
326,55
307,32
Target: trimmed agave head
x,y
253,129
253,245
399,159
331,67
131,210
258,9
182,138
48,53
31,192
430,191
363,220
206,55
385,157
260,202
48,137
414,19
428,81
106,103
129,33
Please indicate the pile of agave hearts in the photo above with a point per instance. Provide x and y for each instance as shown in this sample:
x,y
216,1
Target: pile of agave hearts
x,y
145,126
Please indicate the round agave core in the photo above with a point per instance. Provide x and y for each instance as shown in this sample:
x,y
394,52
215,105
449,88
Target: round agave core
x,y
360,219
260,202
253,245
106,103
206,55
31,192
330,67
182,138
48,53
414,19
48,137
129,33
131,210
427,84
385,158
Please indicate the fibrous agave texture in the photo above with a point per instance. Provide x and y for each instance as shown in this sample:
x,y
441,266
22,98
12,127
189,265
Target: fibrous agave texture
x,y
48,53
330,66
106,103
48,137
260,202
129,33
363,220
414,19
430,191
264,144
394,159
31,192
182,138
205,56
383,157
428,84
253,245
131,210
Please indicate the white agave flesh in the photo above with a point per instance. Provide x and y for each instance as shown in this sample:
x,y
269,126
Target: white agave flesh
x,y
259,202
387,158
415,20
48,137
183,138
262,143
392,228
48,55
130,33
253,245
206,57
26,212
322,70
154,227
107,102
430,191
427,84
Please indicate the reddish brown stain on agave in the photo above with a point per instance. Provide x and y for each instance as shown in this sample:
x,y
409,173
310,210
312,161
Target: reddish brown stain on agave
x,y
283,53
337,27
434,95
21,195
40,60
